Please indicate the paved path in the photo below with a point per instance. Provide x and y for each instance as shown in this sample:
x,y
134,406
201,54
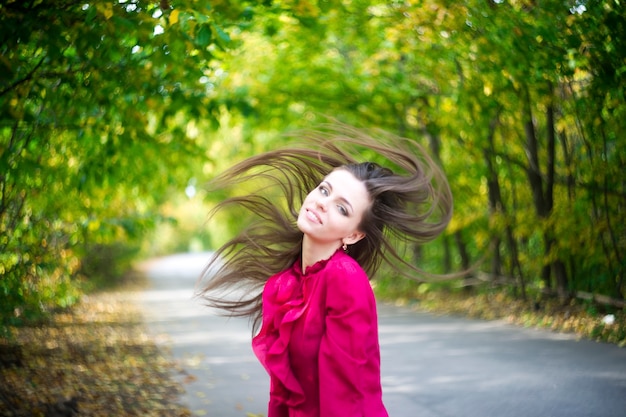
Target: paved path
x,y
432,366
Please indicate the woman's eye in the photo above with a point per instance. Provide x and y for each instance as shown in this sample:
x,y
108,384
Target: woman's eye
x,y
342,210
323,190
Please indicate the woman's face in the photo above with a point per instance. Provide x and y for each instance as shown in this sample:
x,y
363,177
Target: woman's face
x,y
332,212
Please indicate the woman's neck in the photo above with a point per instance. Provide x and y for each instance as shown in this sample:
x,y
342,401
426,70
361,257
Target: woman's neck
x,y
313,252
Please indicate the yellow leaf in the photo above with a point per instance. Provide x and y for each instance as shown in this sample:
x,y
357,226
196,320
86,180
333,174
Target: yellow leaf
x,y
174,17
108,10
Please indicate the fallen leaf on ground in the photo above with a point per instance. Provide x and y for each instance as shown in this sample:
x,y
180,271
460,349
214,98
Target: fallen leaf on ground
x,y
94,360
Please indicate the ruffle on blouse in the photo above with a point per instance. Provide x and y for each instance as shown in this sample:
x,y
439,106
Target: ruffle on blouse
x,y
285,299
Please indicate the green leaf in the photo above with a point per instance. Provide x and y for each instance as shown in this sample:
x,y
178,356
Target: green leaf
x,y
204,35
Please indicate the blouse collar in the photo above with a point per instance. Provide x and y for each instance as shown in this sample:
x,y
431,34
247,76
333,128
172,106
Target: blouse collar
x,y
313,269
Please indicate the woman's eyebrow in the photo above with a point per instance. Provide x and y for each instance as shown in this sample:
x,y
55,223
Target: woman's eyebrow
x,y
346,202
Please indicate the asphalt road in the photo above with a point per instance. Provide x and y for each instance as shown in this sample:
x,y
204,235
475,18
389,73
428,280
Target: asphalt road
x,y
432,366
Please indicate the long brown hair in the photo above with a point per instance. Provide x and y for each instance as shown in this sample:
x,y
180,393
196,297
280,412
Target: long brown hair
x,y
411,204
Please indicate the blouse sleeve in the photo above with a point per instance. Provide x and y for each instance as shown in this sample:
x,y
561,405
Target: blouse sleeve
x,y
346,344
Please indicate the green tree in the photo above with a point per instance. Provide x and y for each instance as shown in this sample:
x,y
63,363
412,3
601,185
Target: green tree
x,y
518,100
100,105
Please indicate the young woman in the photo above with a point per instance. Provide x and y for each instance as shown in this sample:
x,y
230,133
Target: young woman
x,y
305,261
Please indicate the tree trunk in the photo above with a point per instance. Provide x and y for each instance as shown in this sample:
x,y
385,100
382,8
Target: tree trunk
x,y
463,253
543,194
447,255
434,144
496,204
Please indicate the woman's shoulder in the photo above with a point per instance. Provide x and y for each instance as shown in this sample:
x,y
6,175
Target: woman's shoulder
x,y
341,260
342,268
282,284
347,284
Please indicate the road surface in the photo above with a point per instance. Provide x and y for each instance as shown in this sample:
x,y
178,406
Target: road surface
x,y
432,366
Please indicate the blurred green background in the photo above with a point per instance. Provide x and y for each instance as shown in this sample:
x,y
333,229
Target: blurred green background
x,y
113,114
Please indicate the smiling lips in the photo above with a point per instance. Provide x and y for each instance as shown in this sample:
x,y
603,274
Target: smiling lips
x,y
313,216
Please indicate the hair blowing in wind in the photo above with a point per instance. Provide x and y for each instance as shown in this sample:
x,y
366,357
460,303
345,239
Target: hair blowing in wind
x,y
411,204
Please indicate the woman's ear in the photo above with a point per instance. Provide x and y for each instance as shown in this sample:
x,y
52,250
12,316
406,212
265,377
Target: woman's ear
x,y
353,238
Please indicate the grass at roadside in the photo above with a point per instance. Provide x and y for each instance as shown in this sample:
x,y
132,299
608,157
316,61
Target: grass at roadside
x,y
585,319
94,360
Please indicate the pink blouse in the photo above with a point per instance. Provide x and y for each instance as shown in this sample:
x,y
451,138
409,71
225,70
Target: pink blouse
x,y
319,341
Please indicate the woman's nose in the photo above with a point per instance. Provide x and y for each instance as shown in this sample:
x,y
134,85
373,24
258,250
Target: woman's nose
x,y
321,204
